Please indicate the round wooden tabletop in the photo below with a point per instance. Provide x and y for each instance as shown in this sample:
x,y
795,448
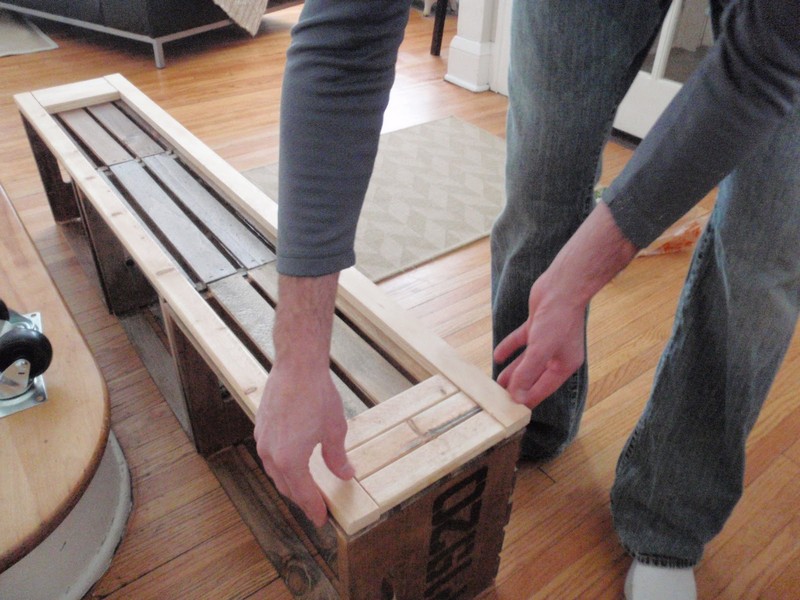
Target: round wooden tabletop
x,y
50,452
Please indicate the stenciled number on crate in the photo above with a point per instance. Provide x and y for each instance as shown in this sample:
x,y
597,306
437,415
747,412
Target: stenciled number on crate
x,y
456,513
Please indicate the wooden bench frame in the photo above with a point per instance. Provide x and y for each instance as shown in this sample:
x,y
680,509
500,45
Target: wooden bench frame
x,y
430,498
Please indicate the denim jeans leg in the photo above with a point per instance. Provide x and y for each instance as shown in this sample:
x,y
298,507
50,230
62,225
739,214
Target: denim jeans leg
x,y
681,472
571,63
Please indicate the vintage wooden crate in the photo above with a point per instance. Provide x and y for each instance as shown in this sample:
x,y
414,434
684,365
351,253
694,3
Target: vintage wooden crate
x,y
433,439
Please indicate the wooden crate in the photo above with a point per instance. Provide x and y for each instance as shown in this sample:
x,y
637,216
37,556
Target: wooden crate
x,y
433,439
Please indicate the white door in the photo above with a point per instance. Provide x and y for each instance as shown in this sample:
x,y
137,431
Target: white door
x,y
684,38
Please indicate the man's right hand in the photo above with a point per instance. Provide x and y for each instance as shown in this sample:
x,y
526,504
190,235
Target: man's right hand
x,y
300,407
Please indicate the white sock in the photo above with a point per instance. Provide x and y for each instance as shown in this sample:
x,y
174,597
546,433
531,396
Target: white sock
x,y
648,582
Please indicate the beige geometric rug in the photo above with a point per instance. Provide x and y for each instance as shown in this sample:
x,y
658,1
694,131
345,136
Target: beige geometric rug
x,y
19,36
435,188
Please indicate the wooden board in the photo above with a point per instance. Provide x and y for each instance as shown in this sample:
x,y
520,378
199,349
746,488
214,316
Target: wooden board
x,y
242,243
103,146
369,371
124,129
171,224
256,317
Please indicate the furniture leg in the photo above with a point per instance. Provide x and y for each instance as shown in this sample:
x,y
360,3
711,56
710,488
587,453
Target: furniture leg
x,y
59,194
438,27
216,421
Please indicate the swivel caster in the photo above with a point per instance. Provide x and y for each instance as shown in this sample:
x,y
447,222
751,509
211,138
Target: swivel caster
x,y
25,354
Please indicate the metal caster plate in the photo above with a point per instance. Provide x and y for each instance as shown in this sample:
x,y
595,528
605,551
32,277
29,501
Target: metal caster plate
x,y
17,390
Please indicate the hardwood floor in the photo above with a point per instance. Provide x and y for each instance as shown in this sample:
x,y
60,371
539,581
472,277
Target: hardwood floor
x,y
186,540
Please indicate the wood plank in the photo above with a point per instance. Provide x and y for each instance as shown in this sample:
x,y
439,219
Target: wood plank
x,y
133,137
256,317
401,439
394,411
383,450
193,247
444,415
100,143
242,243
420,468
348,502
358,360
73,95
158,362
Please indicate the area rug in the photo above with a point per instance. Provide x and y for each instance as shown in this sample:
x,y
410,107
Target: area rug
x,y
19,36
436,187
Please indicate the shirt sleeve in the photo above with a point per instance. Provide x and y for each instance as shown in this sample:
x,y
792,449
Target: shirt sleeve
x,y
746,86
339,72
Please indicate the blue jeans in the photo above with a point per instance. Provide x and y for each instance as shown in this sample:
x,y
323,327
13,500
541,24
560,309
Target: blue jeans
x,y
680,473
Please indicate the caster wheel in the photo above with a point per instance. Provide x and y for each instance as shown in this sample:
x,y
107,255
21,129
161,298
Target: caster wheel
x,y
4,314
29,344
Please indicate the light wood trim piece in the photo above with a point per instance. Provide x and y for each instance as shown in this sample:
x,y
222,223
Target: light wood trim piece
x,y
383,318
349,504
383,450
392,412
422,467
401,439
444,415
76,95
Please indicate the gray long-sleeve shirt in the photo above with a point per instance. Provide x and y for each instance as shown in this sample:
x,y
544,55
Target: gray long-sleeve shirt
x,y
340,69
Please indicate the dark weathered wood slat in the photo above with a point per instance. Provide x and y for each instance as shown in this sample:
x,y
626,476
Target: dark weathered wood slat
x,y
158,362
104,146
208,263
324,541
232,233
247,489
133,137
367,368
255,316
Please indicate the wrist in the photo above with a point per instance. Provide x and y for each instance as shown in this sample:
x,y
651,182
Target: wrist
x,y
304,321
593,256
